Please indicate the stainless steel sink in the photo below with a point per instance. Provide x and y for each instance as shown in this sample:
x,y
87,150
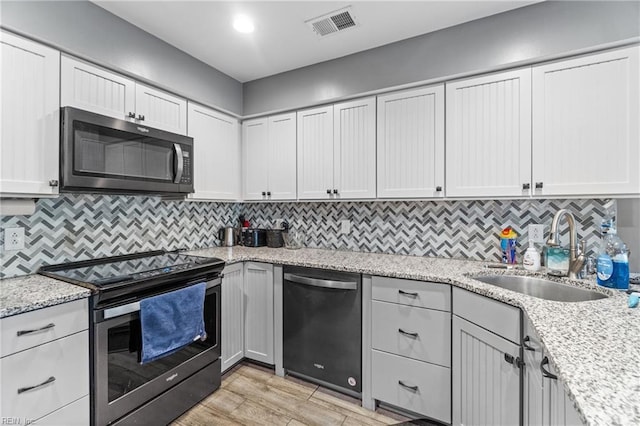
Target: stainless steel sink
x,y
541,288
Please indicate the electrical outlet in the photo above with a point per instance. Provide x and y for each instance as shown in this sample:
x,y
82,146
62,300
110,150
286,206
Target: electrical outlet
x,y
345,226
13,238
536,233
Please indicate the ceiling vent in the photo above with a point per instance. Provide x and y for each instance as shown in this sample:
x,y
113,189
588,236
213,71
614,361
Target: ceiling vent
x,y
333,22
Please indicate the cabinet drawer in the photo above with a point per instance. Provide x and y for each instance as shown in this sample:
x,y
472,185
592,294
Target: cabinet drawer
x,y
432,342
431,398
412,293
74,414
497,317
67,318
67,360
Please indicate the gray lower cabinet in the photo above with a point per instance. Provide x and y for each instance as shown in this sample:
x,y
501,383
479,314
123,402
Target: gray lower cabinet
x,y
532,379
44,365
484,365
411,346
258,312
545,401
232,312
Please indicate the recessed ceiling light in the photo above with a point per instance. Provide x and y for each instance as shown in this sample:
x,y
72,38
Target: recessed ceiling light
x,y
243,24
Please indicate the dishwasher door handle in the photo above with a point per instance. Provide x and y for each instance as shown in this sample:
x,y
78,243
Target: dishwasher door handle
x,y
317,282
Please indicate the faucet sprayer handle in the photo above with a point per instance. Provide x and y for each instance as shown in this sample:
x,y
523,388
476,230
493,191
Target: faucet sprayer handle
x,y
583,247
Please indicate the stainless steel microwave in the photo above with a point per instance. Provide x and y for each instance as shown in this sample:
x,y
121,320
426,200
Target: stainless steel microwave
x,y
105,154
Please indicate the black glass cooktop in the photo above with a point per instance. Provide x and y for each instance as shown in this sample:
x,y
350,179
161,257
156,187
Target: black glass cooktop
x,y
108,273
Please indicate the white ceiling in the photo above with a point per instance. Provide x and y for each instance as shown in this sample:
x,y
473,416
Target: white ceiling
x,y
281,40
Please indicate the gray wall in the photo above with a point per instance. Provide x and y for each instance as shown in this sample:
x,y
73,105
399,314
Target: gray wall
x,y
89,31
540,30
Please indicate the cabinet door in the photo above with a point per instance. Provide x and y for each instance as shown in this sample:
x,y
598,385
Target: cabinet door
x,y
315,153
282,157
30,84
557,408
486,389
586,125
410,144
232,306
74,414
94,89
216,148
161,110
489,135
532,389
354,148
255,142
258,312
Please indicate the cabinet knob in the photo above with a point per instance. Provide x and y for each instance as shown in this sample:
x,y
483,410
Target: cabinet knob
x,y
140,117
538,185
264,193
329,191
438,189
268,193
335,191
526,186
132,115
53,182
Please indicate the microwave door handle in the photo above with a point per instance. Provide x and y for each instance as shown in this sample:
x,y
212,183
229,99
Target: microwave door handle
x,y
179,162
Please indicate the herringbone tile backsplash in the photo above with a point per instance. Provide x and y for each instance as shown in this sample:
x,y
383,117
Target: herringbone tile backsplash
x,y
80,226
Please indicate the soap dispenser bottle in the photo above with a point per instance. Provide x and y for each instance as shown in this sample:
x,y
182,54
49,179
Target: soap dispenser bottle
x,y
531,259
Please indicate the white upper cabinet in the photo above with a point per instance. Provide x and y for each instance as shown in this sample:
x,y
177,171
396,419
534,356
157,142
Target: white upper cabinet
x,y
30,117
336,151
488,149
315,153
255,149
216,147
354,149
161,110
586,119
270,158
410,144
95,89
282,157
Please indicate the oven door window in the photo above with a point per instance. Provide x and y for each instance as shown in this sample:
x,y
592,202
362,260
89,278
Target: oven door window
x,y
103,152
124,371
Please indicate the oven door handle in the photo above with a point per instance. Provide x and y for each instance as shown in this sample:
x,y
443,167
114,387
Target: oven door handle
x,y
179,162
316,282
135,306
121,310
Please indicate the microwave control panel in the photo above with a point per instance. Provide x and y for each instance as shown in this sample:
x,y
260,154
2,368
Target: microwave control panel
x,y
186,166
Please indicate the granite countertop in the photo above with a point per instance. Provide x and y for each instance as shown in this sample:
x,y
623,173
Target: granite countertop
x,y
31,292
594,346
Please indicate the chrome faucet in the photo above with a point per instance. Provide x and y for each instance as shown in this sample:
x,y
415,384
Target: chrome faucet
x,y
576,255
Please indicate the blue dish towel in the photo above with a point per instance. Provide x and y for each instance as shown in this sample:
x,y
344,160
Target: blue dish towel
x,y
171,320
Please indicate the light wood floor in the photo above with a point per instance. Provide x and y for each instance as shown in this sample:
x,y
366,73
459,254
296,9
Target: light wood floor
x,y
253,395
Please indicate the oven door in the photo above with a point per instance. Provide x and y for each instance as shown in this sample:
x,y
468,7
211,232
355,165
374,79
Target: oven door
x,y
120,383
100,153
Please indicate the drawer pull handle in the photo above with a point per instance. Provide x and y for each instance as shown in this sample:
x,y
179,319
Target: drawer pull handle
x,y
28,388
46,327
411,388
406,333
526,345
546,373
406,293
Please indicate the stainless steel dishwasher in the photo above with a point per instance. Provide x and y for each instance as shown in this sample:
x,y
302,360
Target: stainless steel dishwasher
x,y
322,330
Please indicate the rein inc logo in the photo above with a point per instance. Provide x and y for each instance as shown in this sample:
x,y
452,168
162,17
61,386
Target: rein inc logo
x,y
16,421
